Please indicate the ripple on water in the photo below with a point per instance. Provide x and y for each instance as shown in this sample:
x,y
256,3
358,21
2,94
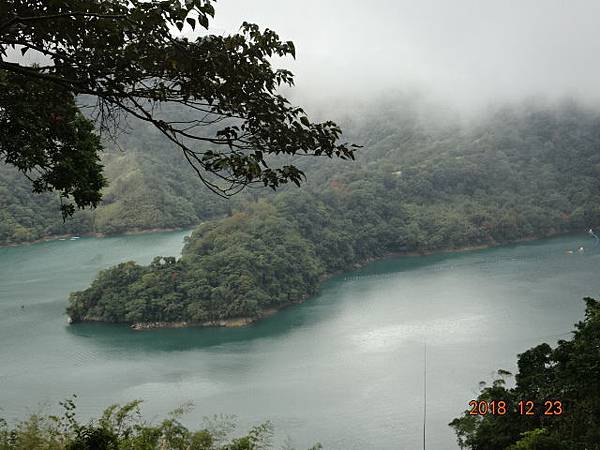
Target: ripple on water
x,y
455,329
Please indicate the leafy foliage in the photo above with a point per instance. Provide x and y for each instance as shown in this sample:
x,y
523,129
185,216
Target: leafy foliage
x,y
46,137
569,373
122,428
126,56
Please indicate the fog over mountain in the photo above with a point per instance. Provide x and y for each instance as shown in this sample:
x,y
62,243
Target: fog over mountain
x,y
466,52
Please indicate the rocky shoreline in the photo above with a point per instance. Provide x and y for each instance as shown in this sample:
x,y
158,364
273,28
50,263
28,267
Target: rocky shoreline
x,y
226,323
236,322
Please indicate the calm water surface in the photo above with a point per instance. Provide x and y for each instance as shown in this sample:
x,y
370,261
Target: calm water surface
x,y
345,368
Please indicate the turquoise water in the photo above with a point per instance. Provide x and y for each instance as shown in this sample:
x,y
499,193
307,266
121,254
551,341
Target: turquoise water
x,y
345,368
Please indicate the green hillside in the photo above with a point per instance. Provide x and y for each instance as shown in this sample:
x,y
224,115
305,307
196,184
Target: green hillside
x,y
519,173
150,186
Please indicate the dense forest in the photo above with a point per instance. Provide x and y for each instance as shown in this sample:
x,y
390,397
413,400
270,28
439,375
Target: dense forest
x,y
567,376
151,185
518,173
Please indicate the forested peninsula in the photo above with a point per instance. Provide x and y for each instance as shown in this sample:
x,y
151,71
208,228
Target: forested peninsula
x,y
517,173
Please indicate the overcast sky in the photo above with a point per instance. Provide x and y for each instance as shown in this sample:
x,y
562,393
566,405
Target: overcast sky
x,y
467,51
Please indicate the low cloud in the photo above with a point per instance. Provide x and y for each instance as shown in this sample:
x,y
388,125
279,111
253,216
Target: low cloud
x,y
466,52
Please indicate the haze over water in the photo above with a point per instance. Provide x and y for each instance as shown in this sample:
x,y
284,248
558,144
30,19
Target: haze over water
x,y
345,368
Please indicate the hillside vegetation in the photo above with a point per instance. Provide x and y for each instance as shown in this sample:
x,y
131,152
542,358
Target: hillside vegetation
x,y
519,173
150,186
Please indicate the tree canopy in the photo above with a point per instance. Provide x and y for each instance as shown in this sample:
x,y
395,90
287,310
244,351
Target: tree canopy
x,y
126,58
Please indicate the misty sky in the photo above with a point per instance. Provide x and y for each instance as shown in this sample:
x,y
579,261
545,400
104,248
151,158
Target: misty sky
x,y
467,51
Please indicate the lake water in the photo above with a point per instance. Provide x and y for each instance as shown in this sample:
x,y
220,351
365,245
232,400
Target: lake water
x,y
345,368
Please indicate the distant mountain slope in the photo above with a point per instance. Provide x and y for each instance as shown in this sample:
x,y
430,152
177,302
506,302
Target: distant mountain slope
x,y
544,156
150,186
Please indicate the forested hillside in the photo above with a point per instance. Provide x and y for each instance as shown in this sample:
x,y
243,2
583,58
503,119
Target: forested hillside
x,y
519,173
150,186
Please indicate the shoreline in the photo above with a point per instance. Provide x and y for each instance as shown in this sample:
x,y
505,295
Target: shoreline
x,y
97,235
234,322
240,322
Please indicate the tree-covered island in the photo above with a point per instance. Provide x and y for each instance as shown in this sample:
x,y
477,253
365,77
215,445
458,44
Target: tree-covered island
x,y
521,174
